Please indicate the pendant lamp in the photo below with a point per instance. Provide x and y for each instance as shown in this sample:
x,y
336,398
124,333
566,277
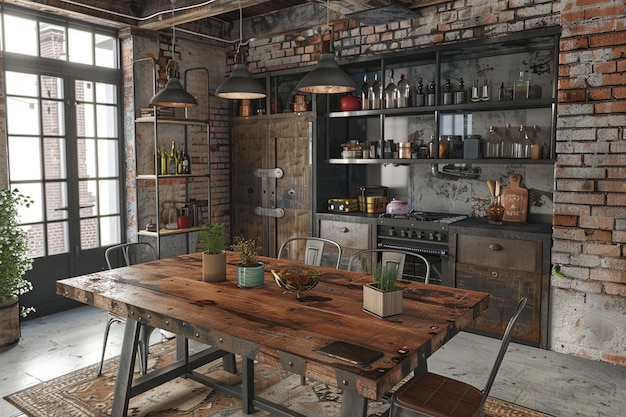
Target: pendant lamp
x,y
173,95
240,85
327,77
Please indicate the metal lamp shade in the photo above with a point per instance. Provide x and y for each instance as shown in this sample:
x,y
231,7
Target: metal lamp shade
x,y
240,85
173,95
326,78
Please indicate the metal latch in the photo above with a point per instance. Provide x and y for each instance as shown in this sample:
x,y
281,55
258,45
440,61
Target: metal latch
x,y
269,212
268,172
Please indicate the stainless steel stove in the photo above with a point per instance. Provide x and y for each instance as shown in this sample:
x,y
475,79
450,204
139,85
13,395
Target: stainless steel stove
x,y
420,232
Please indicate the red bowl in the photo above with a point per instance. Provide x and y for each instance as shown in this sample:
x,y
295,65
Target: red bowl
x,y
350,103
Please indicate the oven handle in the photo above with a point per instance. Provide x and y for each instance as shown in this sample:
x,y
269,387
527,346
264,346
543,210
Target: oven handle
x,y
436,252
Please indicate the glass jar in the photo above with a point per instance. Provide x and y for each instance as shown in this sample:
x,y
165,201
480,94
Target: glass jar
x,y
495,211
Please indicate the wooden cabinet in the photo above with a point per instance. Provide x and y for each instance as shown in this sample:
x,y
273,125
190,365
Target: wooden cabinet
x,y
508,262
353,233
272,187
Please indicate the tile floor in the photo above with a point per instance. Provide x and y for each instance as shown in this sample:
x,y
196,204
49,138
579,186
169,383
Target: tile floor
x,y
561,385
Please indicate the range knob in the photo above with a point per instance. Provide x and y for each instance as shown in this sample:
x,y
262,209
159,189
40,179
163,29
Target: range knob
x,y
420,235
392,231
431,236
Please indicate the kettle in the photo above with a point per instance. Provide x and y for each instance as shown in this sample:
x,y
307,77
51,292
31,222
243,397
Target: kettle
x,y
397,206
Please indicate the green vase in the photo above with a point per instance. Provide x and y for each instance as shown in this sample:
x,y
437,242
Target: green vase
x,y
251,276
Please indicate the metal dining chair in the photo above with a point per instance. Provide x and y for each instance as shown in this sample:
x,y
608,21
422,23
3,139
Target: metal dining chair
x,y
390,256
314,250
432,395
117,256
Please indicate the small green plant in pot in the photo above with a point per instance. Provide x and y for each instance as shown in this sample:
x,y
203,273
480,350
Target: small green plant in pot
x,y
381,298
14,263
250,272
211,239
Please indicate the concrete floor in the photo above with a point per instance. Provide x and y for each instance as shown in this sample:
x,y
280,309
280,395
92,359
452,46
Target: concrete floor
x,y
558,384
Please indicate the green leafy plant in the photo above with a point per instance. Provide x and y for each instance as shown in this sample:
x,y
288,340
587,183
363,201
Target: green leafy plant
x,y
556,271
14,258
212,238
248,250
385,276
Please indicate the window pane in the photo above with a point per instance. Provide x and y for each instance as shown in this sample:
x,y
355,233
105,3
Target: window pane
x,y
21,84
84,90
107,121
106,93
56,201
110,231
51,87
88,197
85,120
34,212
89,233
55,165
23,39
35,240
24,158
52,41
109,197
22,116
86,151
106,51
107,158
80,46
53,118
58,238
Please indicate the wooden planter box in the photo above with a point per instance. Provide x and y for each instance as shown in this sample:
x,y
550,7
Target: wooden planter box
x,y
382,304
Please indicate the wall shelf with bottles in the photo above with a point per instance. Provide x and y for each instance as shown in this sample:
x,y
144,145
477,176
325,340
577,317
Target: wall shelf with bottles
x,y
165,192
478,89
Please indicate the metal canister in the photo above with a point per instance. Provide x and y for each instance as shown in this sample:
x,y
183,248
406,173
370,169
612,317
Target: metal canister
x,y
404,150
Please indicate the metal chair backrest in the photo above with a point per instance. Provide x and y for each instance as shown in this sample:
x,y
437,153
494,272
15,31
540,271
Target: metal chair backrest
x,y
127,254
392,257
506,339
313,250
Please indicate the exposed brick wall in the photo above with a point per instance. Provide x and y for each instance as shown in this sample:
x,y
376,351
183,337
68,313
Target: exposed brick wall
x,y
590,195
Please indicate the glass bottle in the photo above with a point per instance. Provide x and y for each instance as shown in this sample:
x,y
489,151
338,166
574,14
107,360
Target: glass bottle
x,y
494,144
419,97
376,93
185,161
404,92
520,87
507,143
172,160
365,94
391,93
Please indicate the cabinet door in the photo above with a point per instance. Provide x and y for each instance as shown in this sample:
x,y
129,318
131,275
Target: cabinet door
x,y
352,237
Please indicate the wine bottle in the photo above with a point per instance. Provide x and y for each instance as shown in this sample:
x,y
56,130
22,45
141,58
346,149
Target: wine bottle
x,y
172,161
186,161
365,94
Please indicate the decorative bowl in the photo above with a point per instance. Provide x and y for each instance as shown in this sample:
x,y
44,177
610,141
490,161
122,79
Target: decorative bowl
x,y
297,279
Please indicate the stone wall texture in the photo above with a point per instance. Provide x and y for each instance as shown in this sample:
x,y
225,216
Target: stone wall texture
x,y
588,304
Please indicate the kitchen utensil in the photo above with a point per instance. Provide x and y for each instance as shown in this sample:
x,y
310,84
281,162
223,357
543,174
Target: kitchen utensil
x,y
397,206
515,200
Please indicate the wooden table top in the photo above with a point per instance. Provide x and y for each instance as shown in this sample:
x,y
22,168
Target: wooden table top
x,y
264,324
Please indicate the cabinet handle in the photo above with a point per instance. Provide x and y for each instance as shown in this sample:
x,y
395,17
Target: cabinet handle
x,y
495,247
344,230
494,274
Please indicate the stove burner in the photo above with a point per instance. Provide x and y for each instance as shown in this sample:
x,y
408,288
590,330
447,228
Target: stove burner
x,y
426,216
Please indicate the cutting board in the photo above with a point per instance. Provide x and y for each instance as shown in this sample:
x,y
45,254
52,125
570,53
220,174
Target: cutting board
x,y
515,200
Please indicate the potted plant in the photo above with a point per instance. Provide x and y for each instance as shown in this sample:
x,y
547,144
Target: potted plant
x,y
381,298
250,272
14,262
212,240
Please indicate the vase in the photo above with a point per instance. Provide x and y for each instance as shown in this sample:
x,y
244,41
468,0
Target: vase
x,y
251,276
214,267
9,322
382,304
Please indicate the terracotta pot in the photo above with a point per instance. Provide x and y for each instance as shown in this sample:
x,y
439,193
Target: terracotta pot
x,y
350,103
214,267
9,322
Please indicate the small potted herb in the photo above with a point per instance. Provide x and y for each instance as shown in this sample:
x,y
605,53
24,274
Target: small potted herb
x,y
211,239
381,298
250,272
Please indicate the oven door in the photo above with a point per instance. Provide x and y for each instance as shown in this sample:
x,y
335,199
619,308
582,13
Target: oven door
x,y
414,269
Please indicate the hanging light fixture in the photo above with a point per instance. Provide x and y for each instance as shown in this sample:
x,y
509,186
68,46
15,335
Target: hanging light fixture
x,y
240,85
327,77
173,95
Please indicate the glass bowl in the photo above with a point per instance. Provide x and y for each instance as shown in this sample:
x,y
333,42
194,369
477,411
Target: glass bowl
x,y
296,279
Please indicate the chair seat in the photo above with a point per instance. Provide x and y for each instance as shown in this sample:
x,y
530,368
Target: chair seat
x,y
437,396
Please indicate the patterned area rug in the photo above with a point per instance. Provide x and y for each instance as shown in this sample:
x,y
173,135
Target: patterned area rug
x,y
82,394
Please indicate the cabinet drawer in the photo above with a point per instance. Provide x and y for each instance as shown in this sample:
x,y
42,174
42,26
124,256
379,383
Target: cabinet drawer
x,y
522,255
347,234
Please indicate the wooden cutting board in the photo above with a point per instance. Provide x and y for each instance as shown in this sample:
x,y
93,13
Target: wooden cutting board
x,y
515,200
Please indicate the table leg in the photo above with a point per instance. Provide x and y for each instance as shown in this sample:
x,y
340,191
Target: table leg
x,y
247,385
126,368
352,404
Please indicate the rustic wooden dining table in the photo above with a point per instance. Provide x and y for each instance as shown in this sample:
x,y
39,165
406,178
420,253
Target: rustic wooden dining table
x,y
265,324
